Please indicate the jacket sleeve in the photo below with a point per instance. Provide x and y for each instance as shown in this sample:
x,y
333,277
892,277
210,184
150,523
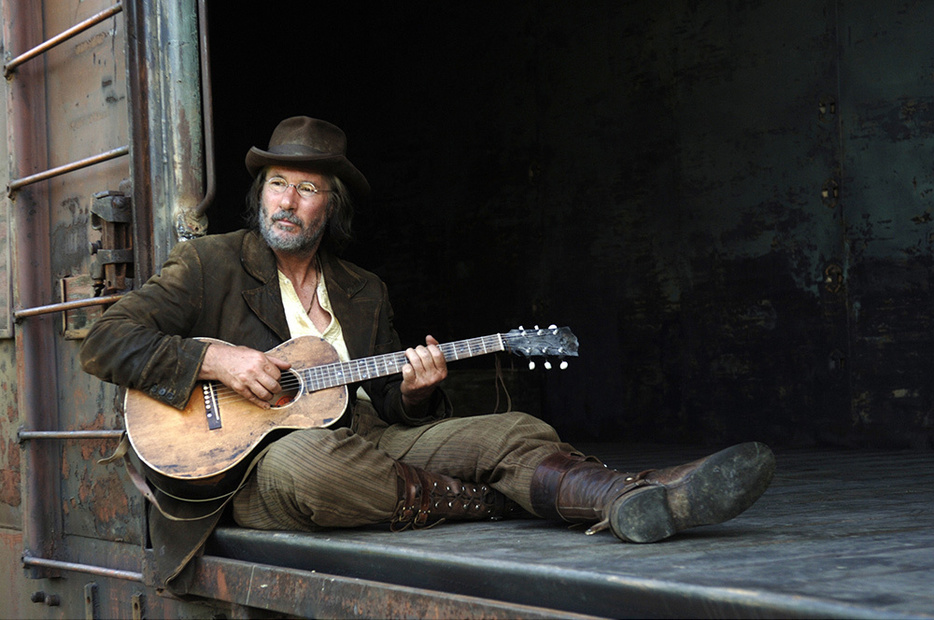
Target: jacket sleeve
x,y
140,342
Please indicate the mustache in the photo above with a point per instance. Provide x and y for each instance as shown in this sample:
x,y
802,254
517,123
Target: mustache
x,y
291,218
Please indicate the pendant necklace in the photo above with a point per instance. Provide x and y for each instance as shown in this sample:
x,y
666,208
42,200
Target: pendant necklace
x,y
314,297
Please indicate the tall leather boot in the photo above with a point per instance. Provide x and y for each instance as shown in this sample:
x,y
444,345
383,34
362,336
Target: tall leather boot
x,y
654,504
426,499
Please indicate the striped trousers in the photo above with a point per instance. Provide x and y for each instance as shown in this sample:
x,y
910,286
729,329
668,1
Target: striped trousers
x,y
320,478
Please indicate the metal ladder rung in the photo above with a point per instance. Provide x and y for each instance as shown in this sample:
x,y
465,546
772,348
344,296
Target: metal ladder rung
x,y
16,184
65,306
11,66
64,36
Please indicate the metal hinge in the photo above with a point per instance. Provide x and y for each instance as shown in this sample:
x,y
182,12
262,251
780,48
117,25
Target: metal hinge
x,y
112,257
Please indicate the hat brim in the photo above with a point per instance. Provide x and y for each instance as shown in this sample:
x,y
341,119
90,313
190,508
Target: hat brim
x,y
338,165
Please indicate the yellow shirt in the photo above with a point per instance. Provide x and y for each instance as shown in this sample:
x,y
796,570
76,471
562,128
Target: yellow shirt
x,y
301,325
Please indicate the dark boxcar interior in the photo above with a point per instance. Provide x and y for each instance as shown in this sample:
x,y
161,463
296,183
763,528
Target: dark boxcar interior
x,y
729,205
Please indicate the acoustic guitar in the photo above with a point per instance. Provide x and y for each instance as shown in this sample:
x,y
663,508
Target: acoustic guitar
x,y
218,429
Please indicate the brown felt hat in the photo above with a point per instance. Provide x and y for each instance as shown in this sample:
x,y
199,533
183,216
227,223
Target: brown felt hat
x,y
312,144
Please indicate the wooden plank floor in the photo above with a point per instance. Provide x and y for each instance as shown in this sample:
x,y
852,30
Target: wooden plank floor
x,y
840,534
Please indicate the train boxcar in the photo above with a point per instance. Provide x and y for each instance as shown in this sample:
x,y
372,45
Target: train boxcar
x,y
729,202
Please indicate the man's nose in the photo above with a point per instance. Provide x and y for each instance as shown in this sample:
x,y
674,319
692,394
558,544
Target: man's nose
x,y
286,200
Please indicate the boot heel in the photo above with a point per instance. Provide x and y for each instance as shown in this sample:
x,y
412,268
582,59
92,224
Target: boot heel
x,y
642,516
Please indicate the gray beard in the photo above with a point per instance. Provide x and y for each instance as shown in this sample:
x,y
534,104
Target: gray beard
x,y
304,243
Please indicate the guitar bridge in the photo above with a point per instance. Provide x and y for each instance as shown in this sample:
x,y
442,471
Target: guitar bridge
x,y
211,411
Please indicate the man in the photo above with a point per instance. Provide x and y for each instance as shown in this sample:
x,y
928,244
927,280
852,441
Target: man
x,y
397,455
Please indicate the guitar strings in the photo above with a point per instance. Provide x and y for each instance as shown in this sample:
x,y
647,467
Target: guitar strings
x,y
334,375
343,373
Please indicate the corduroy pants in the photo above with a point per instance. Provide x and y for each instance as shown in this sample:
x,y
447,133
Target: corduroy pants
x,y
320,478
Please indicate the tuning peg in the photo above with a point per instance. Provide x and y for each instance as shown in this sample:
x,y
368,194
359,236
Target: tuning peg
x,y
531,365
553,328
563,365
547,365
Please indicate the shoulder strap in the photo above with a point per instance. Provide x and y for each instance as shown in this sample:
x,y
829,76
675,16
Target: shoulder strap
x,y
145,487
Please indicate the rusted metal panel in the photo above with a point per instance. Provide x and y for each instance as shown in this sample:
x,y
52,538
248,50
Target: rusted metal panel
x,y
67,103
6,244
11,491
166,121
34,353
85,84
76,322
319,595
106,593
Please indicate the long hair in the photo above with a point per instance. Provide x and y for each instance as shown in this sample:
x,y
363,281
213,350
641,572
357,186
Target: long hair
x,y
340,207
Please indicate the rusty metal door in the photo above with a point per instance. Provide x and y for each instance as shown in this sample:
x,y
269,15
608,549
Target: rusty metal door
x,y
106,174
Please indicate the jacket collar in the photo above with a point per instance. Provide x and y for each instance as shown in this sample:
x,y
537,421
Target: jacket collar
x,y
266,301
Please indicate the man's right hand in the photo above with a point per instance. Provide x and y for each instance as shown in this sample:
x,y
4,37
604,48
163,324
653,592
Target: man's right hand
x,y
250,373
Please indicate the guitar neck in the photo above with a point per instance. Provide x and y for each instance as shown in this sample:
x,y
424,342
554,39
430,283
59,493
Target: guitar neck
x,y
344,373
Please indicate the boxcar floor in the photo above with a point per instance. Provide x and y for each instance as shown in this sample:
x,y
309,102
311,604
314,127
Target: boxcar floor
x,y
845,534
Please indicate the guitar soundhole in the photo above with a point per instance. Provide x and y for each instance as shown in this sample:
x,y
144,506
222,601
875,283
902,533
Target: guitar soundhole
x,y
291,390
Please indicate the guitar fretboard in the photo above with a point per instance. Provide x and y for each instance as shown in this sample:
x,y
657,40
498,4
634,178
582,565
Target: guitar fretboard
x,y
343,373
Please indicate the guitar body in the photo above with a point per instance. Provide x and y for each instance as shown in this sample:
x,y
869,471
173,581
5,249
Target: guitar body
x,y
205,443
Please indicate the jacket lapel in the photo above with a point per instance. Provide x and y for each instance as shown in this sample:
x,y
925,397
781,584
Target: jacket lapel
x,y
357,311
265,300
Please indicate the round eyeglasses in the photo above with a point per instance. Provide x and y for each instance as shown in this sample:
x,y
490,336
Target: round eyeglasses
x,y
305,189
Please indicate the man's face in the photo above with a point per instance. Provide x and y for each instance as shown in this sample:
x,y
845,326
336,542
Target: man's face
x,y
290,222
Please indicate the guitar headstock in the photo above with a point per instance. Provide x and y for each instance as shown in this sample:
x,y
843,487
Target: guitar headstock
x,y
542,342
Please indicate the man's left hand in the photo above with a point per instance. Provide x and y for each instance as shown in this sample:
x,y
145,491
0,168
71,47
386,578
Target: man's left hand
x,y
425,370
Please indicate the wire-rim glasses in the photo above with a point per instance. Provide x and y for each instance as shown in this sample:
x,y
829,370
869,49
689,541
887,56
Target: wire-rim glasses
x,y
305,189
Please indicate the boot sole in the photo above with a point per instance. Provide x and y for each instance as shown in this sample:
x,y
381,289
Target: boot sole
x,y
722,487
